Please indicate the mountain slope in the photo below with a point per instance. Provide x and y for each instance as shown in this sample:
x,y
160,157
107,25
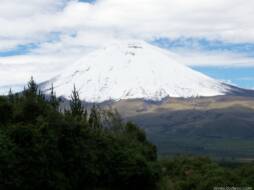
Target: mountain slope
x,y
220,126
127,70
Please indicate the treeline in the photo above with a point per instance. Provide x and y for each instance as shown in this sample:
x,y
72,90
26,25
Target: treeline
x,y
200,173
42,147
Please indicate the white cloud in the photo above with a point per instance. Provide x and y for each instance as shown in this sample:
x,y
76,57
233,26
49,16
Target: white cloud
x,y
13,9
41,67
228,19
215,59
30,21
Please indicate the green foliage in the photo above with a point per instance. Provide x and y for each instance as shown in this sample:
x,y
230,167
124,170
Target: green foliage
x,y
43,148
94,118
76,107
199,173
32,88
6,111
53,100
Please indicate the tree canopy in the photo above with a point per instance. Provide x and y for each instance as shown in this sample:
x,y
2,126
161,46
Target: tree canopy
x,y
43,148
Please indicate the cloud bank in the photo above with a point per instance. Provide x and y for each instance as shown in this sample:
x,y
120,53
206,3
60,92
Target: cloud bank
x,y
71,28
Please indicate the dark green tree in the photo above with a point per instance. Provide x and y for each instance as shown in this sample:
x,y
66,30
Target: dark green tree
x,y
6,111
95,118
11,96
32,87
41,148
54,101
76,107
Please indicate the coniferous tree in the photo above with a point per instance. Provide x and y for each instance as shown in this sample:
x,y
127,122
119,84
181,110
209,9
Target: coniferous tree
x,y
53,99
6,111
11,96
10,92
94,118
41,95
41,148
85,116
32,87
76,107
33,104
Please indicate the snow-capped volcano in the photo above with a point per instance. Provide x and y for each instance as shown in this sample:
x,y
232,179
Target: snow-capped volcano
x,y
130,70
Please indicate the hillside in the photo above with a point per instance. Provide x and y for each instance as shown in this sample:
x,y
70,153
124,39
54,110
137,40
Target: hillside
x,y
221,127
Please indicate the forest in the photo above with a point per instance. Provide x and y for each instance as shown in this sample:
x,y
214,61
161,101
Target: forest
x,y
43,146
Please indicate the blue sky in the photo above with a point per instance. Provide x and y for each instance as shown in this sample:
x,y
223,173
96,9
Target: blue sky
x,y
19,50
243,76
206,45
240,76
211,36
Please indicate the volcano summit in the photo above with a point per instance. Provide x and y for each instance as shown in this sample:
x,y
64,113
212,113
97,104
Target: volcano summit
x,y
131,70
